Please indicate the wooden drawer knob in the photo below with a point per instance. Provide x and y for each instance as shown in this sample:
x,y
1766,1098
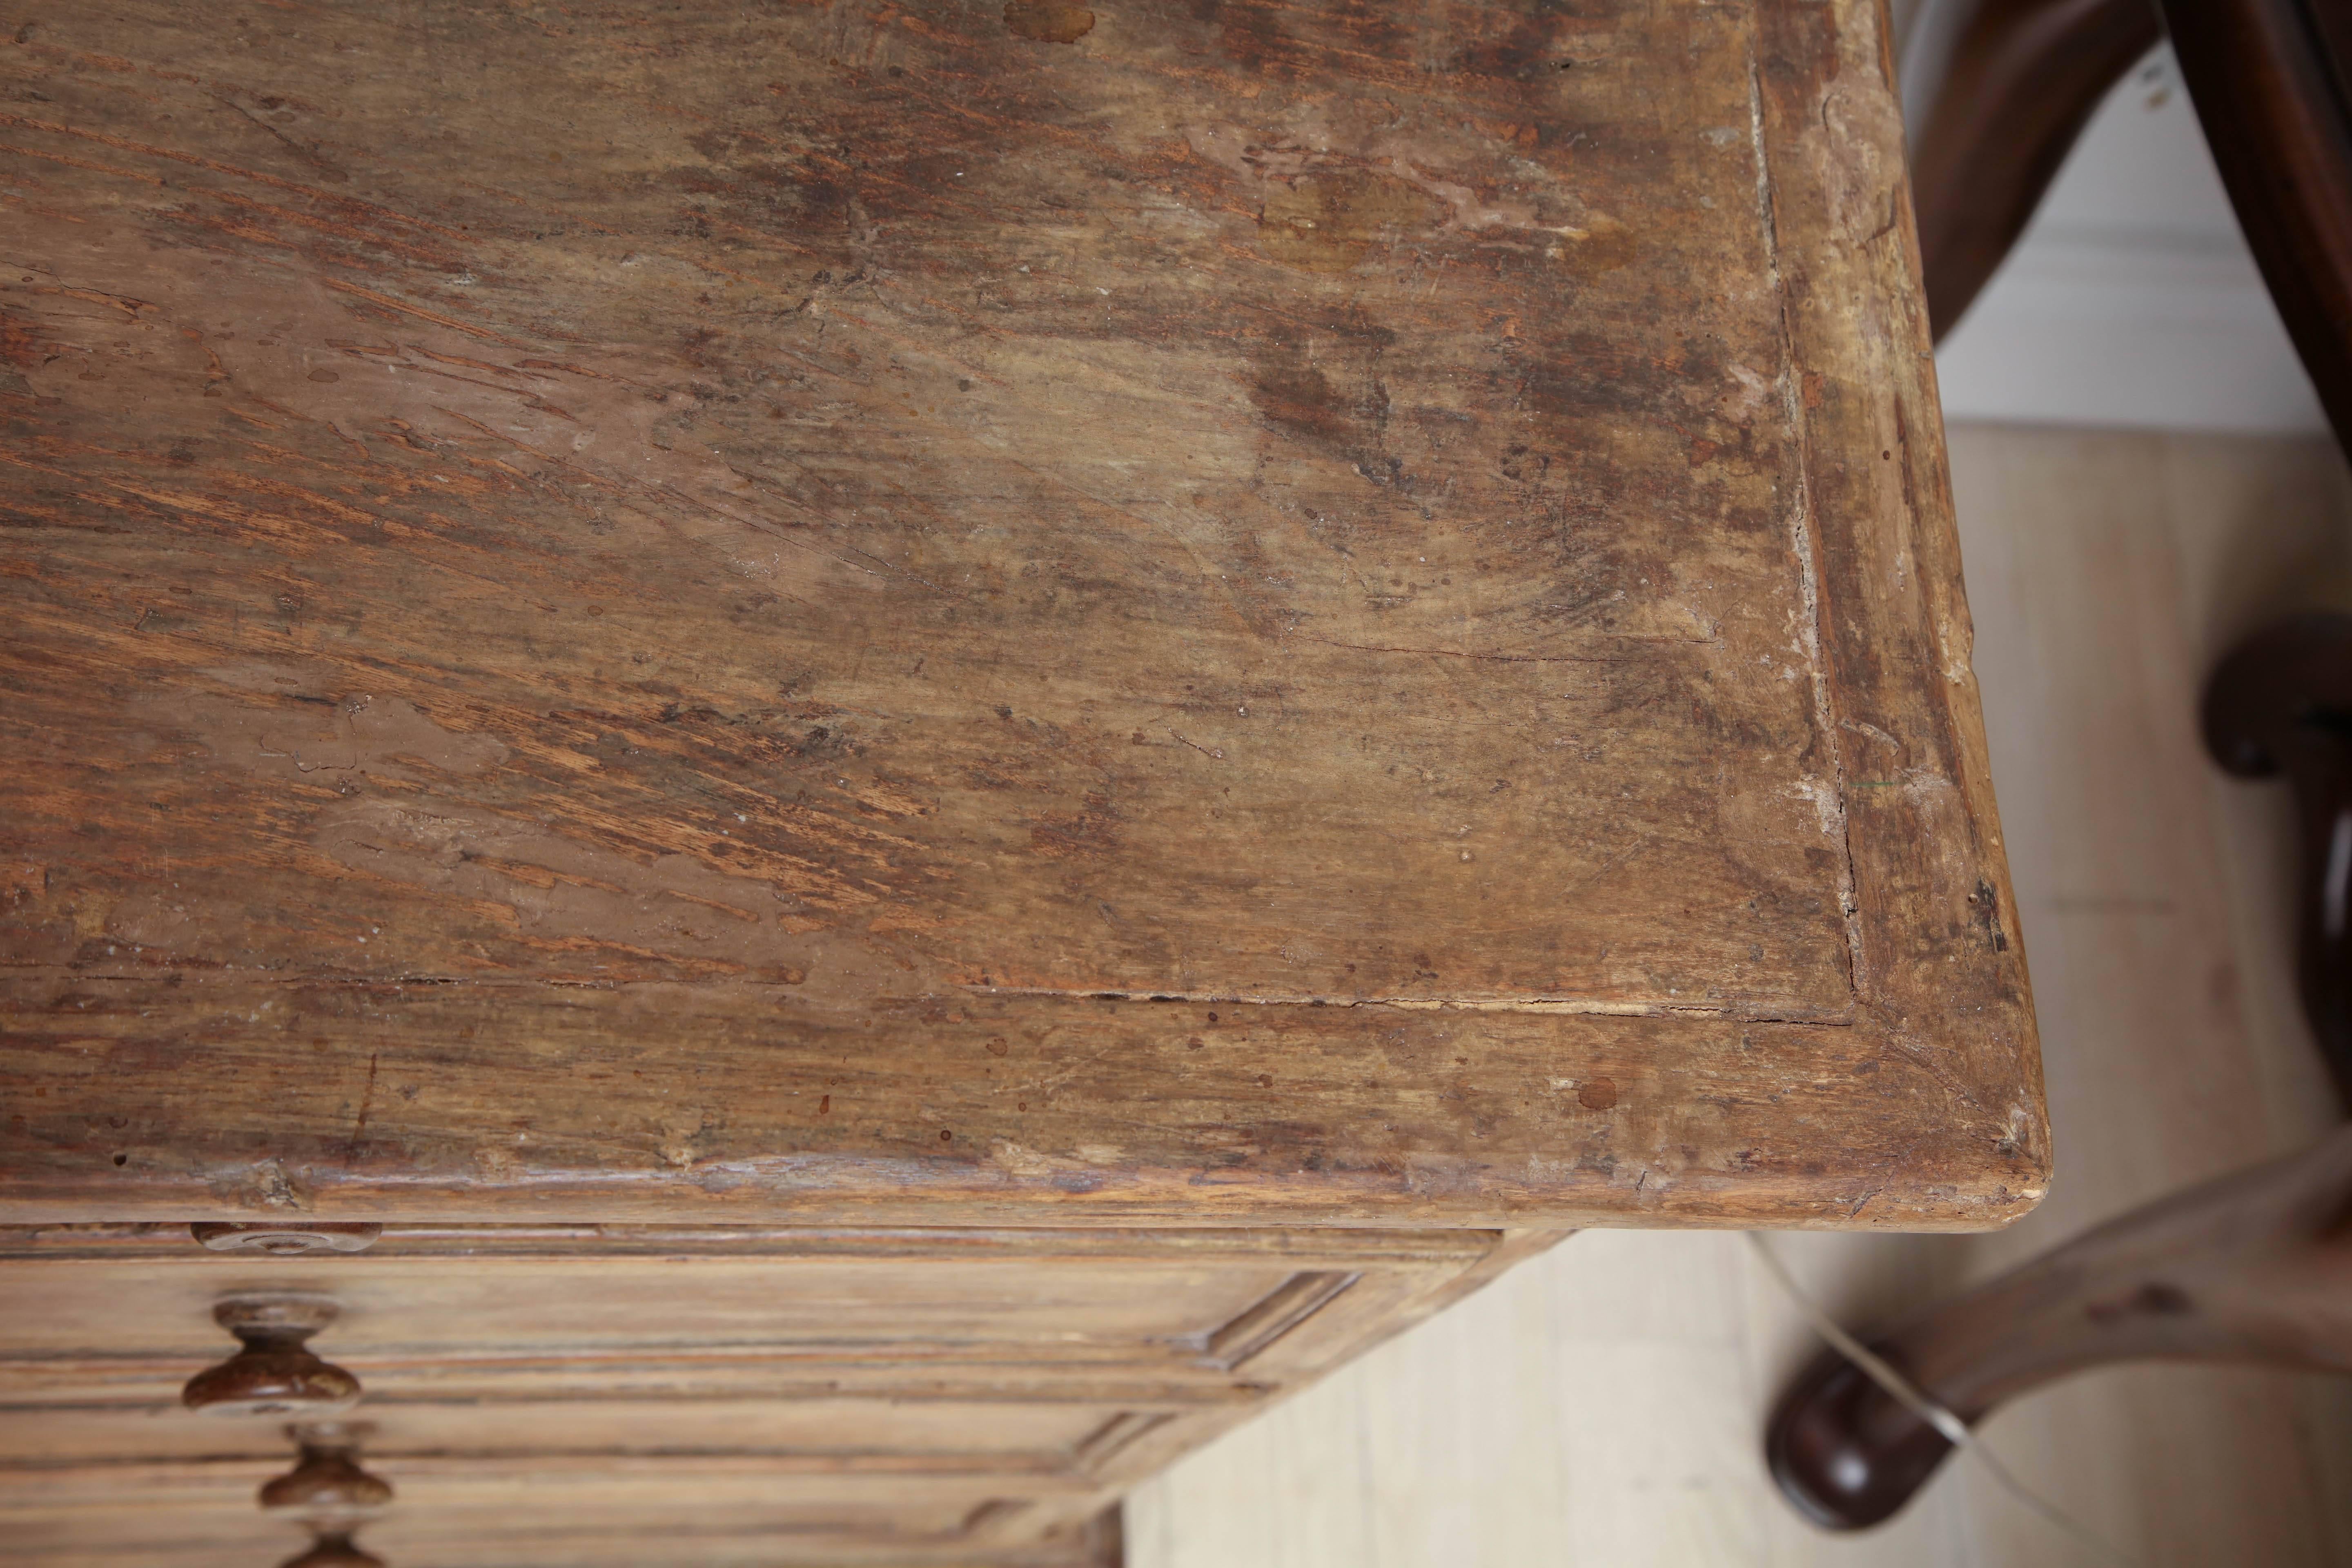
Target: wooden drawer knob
x,y
334,1551
327,1489
273,1375
328,1492
284,1240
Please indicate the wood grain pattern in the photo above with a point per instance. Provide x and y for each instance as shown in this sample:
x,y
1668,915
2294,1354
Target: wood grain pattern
x,y
1543,1420
639,641
975,1398
841,612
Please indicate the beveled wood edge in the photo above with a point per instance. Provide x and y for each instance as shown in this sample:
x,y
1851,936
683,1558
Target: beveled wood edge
x,y
1897,639
1880,1199
1259,1326
169,1243
1697,1129
1323,1344
1925,861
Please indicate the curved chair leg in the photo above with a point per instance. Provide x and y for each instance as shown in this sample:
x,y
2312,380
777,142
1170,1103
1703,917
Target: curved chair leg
x,y
2256,1266
2271,80
2024,79
2282,703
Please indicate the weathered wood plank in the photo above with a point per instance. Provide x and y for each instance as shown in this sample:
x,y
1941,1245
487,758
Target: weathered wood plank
x,y
980,1396
688,614
762,1106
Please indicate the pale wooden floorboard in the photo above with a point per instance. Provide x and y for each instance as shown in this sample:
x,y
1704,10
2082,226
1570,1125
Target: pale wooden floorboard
x,y
1602,1405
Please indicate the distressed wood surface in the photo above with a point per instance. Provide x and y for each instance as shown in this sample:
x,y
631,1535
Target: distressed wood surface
x,y
1186,612
575,1395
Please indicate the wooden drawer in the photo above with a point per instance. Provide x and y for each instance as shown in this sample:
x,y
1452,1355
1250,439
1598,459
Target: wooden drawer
x,y
492,1312
613,1512
432,1319
637,1394
878,1433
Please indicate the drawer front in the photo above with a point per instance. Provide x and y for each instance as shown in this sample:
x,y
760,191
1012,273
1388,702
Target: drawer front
x,y
1040,1436
591,1395
415,1314
453,1513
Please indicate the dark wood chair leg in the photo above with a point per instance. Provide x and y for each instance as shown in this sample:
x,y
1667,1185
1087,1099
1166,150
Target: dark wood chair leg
x,y
2025,76
2282,703
2271,80
2256,1266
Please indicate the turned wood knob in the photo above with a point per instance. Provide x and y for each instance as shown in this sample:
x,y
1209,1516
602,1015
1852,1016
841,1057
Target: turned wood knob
x,y
273,1375
327,1489
334,1549
284,1240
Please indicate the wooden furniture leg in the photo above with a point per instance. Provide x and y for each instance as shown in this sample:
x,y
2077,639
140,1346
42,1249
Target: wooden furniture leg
x,y
2282,703
2271,80
2256,1266
2025,76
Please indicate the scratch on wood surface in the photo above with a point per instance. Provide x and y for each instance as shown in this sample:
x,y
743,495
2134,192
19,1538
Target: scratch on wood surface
x,y
1494,658
310,155
1653,1007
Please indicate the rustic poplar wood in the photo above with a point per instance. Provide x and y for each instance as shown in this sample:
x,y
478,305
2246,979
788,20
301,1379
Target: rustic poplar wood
x,y
713,662
693,615
588,1394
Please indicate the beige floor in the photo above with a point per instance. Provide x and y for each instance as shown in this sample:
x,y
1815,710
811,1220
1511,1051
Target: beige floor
x,y
1601,1405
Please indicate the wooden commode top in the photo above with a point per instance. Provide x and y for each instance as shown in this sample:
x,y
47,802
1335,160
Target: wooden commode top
x,y
915,744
